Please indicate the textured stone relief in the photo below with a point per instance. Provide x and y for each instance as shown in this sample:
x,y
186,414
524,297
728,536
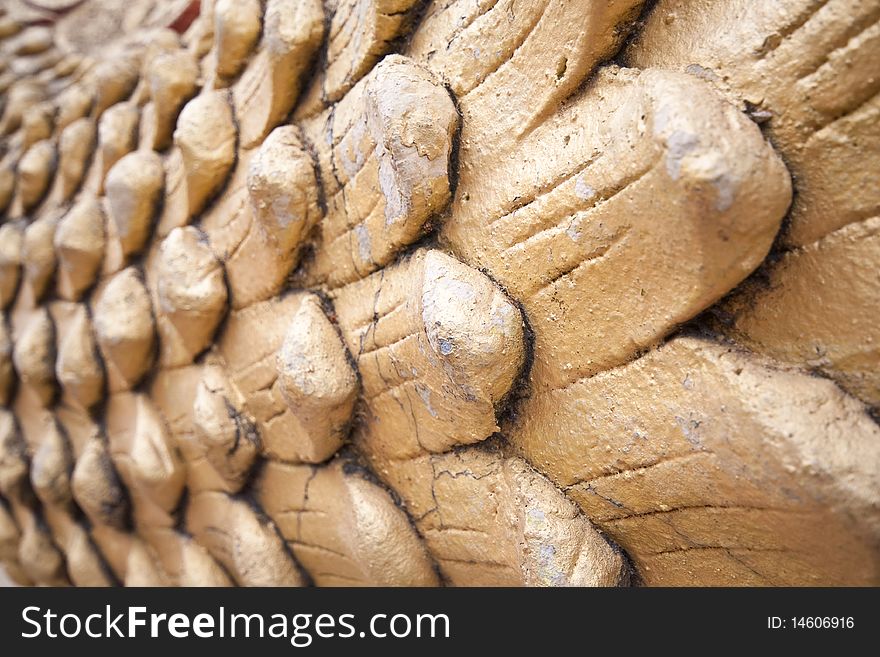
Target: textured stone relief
x,y
439,293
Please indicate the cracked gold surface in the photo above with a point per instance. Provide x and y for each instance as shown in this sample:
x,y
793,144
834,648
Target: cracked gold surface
x,y
449,292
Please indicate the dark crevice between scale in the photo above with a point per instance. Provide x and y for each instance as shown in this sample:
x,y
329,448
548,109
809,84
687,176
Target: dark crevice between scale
x,y
354,463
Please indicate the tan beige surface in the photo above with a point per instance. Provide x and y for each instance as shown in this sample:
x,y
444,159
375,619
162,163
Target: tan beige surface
x,y
443,293
780,466
806,71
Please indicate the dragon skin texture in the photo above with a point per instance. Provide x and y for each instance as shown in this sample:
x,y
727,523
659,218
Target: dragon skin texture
x,y
440,292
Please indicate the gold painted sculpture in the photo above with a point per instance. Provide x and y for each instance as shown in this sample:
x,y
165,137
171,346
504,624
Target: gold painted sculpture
x,y
457,292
